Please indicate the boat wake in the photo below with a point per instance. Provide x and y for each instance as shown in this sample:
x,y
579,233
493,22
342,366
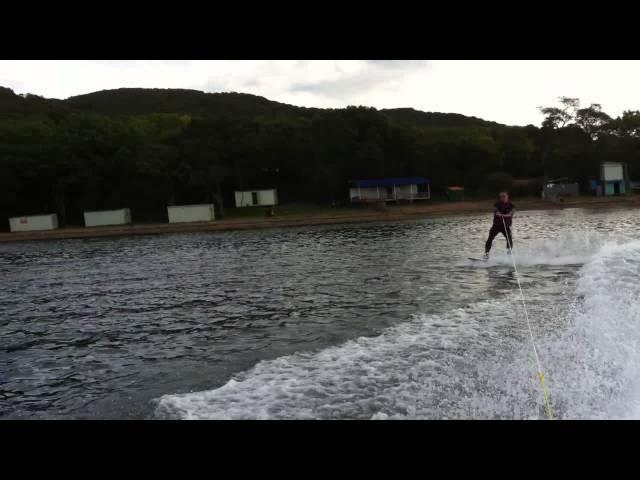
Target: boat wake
x,y
472,362
568,247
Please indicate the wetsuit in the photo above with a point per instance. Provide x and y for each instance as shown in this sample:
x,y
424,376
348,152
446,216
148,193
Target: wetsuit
x,y
501,225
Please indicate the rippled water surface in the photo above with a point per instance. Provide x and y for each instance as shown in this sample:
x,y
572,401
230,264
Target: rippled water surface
x,y
386,320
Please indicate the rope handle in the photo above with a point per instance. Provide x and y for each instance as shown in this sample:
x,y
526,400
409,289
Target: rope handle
x,y
545,394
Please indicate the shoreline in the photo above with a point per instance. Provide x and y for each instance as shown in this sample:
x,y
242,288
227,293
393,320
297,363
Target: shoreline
x,y
341,216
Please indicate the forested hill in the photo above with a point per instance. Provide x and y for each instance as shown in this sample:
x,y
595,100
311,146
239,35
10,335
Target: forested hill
x,y
141,101
412,117
146,148
16,106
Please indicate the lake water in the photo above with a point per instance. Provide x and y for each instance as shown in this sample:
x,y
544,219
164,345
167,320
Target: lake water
x,y
368,321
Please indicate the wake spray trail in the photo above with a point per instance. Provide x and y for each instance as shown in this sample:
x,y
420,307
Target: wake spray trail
x,y
545,394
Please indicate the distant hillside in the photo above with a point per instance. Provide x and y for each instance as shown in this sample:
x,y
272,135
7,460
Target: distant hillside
x,y
139,101
13,105
136,101
410,116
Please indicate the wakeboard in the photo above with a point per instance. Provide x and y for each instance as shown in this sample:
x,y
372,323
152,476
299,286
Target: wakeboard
x,y
478,260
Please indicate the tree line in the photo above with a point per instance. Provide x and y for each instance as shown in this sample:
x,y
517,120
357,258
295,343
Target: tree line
x,y
149,148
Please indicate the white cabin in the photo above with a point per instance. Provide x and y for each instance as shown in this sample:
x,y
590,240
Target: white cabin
x,y
614,178
612,172
191,213
107,217
256,198
33,223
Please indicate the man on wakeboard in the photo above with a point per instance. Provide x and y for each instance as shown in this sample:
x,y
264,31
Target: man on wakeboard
x,y
502,216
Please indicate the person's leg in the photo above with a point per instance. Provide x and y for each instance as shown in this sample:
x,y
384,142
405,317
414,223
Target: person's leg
x,y
492,234
507,235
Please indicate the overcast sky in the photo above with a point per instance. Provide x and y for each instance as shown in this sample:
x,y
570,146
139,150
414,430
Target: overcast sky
x,y
505,91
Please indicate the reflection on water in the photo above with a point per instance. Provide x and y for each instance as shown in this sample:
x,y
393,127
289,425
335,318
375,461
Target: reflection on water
x,y
99,328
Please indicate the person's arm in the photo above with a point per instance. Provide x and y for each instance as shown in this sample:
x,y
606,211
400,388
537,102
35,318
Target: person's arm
x,y
510,214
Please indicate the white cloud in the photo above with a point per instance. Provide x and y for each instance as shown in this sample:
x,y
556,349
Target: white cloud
x,y
511,91
362,82
503,91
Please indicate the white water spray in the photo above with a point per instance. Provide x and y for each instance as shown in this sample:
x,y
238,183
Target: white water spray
x,y
470,362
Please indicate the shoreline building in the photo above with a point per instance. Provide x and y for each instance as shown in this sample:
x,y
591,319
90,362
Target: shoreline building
x,y
107,217
191,213
256,198
614,178
556,189
33,223
390,190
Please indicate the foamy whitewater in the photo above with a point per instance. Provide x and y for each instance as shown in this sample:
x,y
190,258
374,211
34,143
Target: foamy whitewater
x,y
472,362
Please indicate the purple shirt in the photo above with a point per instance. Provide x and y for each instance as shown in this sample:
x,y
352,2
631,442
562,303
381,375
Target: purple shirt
x,y
504,208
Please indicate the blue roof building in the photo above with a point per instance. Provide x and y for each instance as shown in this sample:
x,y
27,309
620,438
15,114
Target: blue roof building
x,y
389,190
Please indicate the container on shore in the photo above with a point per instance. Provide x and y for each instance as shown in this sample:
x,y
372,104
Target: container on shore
x,y
255,198
191,213
107,217
33,223
455,194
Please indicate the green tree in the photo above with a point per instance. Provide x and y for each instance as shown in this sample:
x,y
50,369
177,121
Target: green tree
x,y
592,119
559,117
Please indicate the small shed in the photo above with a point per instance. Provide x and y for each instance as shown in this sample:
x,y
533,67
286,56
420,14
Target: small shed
x,y
555,189
389,190
191,213
455,194
33,223
107,217
614,178
256,198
